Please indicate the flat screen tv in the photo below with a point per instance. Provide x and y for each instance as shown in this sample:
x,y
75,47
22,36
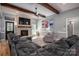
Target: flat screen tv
x,y
24,21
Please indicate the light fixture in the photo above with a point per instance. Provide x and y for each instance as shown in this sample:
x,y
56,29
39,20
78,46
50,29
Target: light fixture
x,y
36,11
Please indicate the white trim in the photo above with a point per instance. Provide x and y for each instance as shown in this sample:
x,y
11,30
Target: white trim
x,y
66,28
73,29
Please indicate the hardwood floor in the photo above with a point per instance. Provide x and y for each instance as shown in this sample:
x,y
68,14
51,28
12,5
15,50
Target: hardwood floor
x,y
4,48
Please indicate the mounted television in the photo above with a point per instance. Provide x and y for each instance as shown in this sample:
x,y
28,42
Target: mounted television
x,y
24,21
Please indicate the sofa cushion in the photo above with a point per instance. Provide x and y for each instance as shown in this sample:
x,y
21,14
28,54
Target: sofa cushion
x,y
26,47
72,40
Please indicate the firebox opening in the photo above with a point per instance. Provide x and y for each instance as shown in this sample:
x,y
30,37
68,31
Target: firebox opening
x,y
24,32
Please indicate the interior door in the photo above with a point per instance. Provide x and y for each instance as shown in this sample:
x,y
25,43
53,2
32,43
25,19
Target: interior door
x,y
9,27
70,27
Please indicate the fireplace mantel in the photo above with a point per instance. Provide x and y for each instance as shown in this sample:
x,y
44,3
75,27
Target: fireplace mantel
x,y
24,26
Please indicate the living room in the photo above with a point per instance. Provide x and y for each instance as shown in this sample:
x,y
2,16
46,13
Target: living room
x,y
42,24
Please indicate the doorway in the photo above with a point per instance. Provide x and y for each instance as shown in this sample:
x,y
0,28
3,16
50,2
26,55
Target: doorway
x,y
69,27
9,28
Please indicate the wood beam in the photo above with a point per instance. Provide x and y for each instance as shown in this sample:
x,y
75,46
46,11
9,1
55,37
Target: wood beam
x,y
46,5
20,9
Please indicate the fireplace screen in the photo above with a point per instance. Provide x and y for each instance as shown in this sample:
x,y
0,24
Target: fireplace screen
x,y
24,32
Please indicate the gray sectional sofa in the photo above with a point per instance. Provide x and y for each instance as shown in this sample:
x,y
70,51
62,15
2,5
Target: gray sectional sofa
x,y
63,47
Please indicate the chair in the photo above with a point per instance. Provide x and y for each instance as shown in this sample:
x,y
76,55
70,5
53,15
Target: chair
x,y
11,38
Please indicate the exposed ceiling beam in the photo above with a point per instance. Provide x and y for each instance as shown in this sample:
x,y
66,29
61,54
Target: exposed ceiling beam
x,y
46,5
20,9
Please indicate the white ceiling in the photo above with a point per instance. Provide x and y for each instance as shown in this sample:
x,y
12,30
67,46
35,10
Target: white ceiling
x,y
42,10
64,6
32,6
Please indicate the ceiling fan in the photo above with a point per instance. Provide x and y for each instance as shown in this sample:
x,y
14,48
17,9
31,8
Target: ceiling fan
x,y
38,14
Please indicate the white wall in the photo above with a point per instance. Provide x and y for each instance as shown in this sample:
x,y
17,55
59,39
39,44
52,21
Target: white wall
x,y
38,23
2,28
60,20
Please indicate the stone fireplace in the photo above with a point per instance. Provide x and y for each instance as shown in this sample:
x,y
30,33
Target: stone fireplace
x,y
24,31
22,28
